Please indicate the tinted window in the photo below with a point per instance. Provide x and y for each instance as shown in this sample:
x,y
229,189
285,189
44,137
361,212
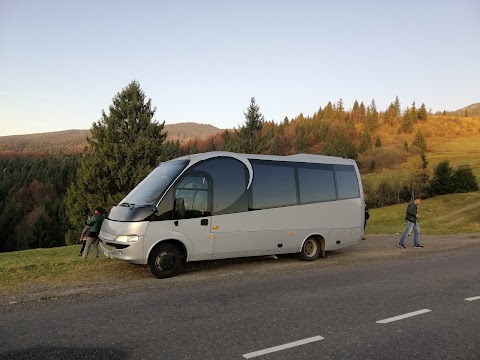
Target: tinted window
x,y
347,182
229,184
316,183
273,185
194,191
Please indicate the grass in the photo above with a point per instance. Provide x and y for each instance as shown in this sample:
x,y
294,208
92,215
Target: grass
x,y
57,267
458,151
447,214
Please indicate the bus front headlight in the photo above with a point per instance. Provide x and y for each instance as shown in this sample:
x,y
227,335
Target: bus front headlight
x,y
127,238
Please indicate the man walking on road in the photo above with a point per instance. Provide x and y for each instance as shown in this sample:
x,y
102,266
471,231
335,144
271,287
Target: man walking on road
x,y
412,222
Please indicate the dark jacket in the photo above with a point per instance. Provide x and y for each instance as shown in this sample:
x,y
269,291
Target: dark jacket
x,y
411,214
95,223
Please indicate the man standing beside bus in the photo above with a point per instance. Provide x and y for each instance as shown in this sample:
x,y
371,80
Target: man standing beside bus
x,y
412,222
95,223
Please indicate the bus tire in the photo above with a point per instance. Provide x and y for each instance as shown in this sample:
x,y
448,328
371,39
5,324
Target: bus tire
x,y
322,248
165,261
310,250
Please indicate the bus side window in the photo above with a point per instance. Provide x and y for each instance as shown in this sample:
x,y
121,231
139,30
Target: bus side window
x,y
194,189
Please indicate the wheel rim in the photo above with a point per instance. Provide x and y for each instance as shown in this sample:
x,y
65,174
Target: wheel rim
x,y
310,248
165,261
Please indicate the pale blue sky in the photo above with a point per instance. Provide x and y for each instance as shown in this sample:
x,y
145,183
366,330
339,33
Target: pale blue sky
x,y
62,62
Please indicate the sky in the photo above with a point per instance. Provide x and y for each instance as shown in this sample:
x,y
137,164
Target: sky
x,y
62,62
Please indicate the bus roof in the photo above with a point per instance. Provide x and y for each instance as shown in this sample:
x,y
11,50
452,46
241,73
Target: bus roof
x,y
307,158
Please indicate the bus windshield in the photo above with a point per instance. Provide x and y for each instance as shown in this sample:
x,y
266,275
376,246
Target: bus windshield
x,y
149,191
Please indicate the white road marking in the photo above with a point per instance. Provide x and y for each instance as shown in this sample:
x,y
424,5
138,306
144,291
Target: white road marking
x,y
281,347
400,317
473,298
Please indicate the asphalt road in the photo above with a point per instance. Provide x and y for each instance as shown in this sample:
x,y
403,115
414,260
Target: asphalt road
x,y
403,308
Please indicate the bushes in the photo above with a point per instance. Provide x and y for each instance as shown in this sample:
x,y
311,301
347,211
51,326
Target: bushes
x,y
390,190
399,188
447,180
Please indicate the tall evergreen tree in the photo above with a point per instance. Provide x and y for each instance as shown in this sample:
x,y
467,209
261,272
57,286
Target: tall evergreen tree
x,y
408,121
442,182
372,116
125,146
251,140
422,113
356,112
420,141
301,145
231,141
464,179
421,177
340,144
397,106
365,141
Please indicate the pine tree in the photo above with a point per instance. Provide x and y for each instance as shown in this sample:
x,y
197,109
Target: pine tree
x,y
250,139
414,112
372,116
356,112
442,182
420,142
422,113
408,121
464,179
301,145
421,177
340,144
397,106
365,141
125,146
231,141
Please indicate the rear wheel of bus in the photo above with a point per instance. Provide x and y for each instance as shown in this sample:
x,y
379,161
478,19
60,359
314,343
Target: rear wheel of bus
x,y
165,261
312,248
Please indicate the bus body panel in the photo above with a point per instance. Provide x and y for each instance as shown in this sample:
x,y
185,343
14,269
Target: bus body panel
x,y
277,230
134,252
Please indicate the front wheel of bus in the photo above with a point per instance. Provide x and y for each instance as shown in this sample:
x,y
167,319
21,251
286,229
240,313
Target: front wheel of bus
x,y
165,261
310,251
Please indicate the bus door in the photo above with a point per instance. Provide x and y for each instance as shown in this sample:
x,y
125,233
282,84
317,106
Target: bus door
x,y
194,189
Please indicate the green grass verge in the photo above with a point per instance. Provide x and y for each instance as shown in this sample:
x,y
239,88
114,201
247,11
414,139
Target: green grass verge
x,y
57,266
447,214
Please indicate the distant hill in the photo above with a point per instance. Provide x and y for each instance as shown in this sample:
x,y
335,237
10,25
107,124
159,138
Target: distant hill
x,y
75,141
471,110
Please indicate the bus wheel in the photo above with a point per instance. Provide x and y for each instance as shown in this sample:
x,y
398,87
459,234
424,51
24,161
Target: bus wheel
x,y
165,261
322,248
310,250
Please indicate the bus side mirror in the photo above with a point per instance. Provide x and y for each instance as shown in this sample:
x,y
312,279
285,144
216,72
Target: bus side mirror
x,y
179,208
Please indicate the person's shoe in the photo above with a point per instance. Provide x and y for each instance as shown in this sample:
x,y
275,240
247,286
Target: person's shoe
x,y
418,246
402,246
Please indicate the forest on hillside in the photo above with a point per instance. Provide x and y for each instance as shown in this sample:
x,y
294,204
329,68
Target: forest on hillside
x,y
44,199
71,142
32,207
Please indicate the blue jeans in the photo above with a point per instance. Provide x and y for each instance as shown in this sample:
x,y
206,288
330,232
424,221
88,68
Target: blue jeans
x,y
416,232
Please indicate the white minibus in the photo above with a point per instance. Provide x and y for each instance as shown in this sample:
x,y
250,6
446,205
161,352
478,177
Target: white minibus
x,y
219,205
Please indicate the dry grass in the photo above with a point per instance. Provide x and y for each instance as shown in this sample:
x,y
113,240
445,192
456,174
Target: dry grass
x,y
447,214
